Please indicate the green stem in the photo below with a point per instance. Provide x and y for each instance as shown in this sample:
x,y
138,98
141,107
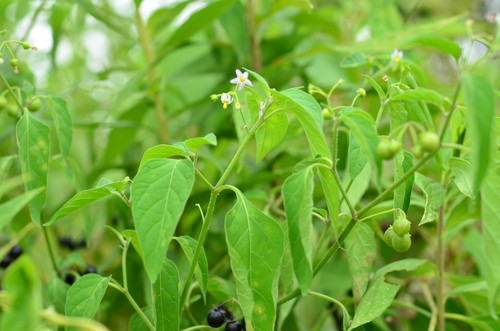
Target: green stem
x,y
49,246
378,214
114,284
2,77
198,327
124,263
204,179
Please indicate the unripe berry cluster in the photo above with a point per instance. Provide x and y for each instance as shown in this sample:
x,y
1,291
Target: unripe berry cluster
x,y
398,235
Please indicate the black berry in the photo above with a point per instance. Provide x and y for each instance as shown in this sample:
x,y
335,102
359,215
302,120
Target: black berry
x,y
82,243
70,279
243,324
234,326
90,270
68,243
215,318
15,252
6,261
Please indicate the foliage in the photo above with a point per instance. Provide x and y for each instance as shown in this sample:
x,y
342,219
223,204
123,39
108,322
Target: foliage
x,y
347,178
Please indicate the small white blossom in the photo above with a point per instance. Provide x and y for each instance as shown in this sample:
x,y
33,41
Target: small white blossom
x,y
226,99
241,79
397,55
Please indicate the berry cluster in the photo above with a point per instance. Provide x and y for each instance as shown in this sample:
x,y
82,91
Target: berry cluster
x,y
70,244
428,142
70,277
398,235
220,315
387,148
13,254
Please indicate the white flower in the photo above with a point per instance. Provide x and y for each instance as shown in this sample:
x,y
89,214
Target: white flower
x,y
241,79
397,55
226,99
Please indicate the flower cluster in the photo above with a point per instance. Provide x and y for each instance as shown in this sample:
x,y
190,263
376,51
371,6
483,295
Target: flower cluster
x,y
227,98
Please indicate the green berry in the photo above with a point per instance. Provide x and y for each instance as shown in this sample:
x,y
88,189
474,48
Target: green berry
x,y
388,235
417,151
12,111
34,104
326,114
3,102
401,243
26,45
386,149
401,226
14,62
429,141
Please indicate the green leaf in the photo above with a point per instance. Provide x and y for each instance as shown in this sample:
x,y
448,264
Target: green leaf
x,y
85,198
298,198
127,234
490,209
353,60
380,294
361,251
166,294
85,295
434,41
195,143
5,163
357,157
55,292
421,94
22,283
10,208
63,124
362,126
234,23
256,245
480,119
402,194
462,171
434,197
270,134
159,193
378,89
162,152
136,322
33,139
188,246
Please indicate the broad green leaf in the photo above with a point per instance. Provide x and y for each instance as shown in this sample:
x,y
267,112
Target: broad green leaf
x,y
188,246
255,242
159,193
353,60
10,208
5,163
270,134
462,171
63,124
55,292
33,139
22,282
11,184
376,86
195,143
162,152
331,194
362,126
166,294
298,198
85,198
361,249
434,197
402,194
357,157
85,295
480,119
399,117
417,109
435,41
380,294
490,209
421,94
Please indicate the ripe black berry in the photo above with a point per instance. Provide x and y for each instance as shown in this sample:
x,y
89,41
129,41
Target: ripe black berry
x,y
70,279
234,326
215,318
6,261
68,243
15,252
82,243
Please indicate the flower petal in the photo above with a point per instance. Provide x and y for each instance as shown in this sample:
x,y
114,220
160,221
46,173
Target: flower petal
x,y
234,80
240,86
238,73
248,82
245,74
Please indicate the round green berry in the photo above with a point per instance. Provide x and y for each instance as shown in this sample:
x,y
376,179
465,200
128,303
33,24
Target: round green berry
x,y
388,235
326,114
401,243
417,151
14,62
34,105
401,226
26,45
395,146
386,149
3,102
429,141
12,111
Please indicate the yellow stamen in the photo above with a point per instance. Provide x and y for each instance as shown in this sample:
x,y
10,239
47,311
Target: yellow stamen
x,y
242,79
224,106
